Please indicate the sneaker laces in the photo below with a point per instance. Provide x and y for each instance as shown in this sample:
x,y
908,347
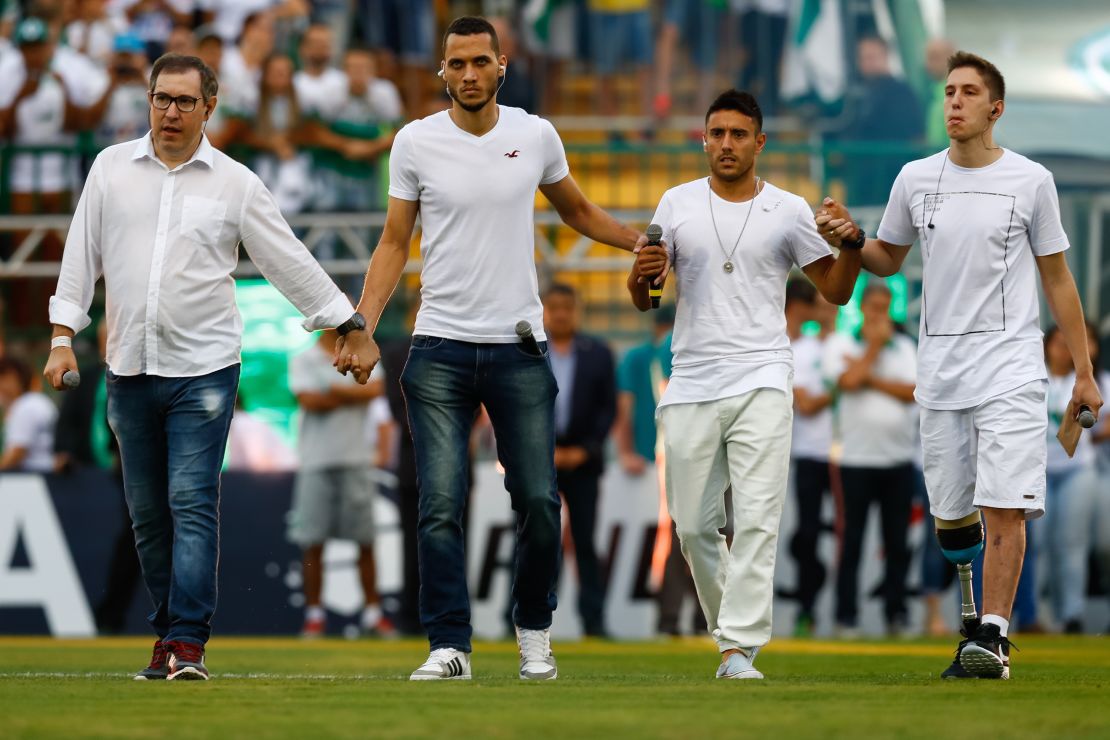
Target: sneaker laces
x,y
158,657
535,645
187,652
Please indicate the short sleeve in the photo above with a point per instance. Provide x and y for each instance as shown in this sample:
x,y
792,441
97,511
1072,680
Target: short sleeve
x,y
806,245
404,183
555,166
897,224
663,218
1046,232
20,426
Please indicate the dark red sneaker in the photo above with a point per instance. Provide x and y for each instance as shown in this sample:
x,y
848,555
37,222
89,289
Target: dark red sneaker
x,y
186,661
158,668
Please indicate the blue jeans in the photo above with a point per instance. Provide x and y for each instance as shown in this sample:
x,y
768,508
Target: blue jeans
x,y
1066,531
444,382
172,434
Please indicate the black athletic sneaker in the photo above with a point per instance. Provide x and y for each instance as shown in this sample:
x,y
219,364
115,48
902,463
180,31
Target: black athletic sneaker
x,y
186,661
159,667
987,653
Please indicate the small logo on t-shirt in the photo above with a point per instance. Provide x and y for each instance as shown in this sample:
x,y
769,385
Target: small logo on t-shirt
x,y
513,154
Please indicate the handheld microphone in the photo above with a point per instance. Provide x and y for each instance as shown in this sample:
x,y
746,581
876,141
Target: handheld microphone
x,y
524,331
654,233
72,379
1086,417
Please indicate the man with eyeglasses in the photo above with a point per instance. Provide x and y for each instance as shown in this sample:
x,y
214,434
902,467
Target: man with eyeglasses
x,y
161,219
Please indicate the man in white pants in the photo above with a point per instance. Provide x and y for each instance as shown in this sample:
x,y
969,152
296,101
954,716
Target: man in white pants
x,y
732,240
988,220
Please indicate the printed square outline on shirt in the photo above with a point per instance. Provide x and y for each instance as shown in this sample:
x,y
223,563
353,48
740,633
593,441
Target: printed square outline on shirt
x,y
1005,259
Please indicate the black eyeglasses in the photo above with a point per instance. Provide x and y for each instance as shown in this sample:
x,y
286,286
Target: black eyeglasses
x,y
185,103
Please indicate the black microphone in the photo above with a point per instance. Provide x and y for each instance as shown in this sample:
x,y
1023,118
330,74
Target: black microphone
x,y
654,233
524,331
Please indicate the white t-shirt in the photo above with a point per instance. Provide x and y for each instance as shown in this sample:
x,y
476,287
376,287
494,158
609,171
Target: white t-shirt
x,y
29,424
980,333
812,434
730,329
477,200
1056,400
335,438
315,93
876,429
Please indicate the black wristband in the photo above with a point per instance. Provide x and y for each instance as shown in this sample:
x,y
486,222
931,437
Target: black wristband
x,y
855,244
356,322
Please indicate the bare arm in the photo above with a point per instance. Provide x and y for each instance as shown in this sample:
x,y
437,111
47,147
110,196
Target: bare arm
x,y
900,391
835,277
834,224
808,404
579,213
1063,302
315,401
356,394
12,458
858,373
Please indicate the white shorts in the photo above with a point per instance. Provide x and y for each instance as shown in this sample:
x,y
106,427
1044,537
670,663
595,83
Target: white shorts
x,y
991,455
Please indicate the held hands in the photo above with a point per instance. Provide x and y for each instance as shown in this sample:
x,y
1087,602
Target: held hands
x,y
61,361
834,223
358,353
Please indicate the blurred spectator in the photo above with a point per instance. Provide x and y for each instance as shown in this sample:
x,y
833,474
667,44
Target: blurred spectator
x,y
518,88
584,411
875,371
318,83
181,41
94,31
334,492
1064,532
937,52
336,16
550,32
240,70
882,109
812,440
640,379
123,111
290,17
698,23
381,436
402,32
29,420
763,26
254,445
153,20
620,33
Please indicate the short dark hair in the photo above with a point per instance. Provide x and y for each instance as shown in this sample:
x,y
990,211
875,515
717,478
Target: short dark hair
x,y
800,289
873,287
563,289
19,368
992,78
742,102
472,25
209,85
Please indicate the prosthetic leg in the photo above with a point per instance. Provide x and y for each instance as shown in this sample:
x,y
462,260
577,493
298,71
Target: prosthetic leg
x,y
961,541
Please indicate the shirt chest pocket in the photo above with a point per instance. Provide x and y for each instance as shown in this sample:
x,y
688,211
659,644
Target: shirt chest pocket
x,y
202,220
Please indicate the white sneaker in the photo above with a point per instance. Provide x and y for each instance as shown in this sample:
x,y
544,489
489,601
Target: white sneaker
x,y
536,661
739,665
444,664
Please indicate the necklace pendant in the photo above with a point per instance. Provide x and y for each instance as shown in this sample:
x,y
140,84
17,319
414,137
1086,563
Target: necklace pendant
x,y
728,266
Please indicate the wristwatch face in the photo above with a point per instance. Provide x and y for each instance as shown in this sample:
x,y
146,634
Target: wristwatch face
x,y
356,322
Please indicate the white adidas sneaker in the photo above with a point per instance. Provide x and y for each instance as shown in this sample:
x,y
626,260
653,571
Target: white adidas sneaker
x,y
536,661
444,664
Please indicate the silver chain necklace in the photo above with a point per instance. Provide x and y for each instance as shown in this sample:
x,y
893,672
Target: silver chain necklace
x,y
728,266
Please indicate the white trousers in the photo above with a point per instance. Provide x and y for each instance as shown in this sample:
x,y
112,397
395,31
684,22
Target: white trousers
x,y
743,441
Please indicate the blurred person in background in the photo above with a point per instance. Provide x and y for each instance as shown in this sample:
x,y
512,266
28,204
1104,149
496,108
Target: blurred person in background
x,y
762,26
882,109
937,52
585,407
290,17
241,63
519,89
181,41
29,420
318,81
811,440
1065,532
94,30
153,21
254,445
551,35
333,497
401,33
697,24
874,371
122,113
620,36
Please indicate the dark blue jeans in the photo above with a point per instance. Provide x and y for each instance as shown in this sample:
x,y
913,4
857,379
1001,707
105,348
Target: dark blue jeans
x,y
444,382
172,434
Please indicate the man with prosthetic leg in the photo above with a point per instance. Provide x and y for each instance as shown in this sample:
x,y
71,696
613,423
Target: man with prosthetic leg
x,y
961,541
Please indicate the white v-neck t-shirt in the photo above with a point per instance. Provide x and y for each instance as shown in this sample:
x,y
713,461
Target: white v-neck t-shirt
x,y
477,202
730,327
980,330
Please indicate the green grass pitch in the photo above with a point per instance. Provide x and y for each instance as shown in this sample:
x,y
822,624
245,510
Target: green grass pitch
x,y
265,688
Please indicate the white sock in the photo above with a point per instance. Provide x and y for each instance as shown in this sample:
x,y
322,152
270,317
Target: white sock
x,y
1003,624
371,615
314,613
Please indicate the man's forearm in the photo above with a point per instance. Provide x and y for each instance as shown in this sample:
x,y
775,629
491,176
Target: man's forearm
x,y
386,267
594,222
1063,302
842,276
877,260
639,293
900,391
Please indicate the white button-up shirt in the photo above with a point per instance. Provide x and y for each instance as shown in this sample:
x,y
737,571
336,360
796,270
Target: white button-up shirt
x,y
166,242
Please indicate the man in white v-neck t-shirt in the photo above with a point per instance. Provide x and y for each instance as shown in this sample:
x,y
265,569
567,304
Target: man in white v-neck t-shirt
x,y
472,173
988,221
726,414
